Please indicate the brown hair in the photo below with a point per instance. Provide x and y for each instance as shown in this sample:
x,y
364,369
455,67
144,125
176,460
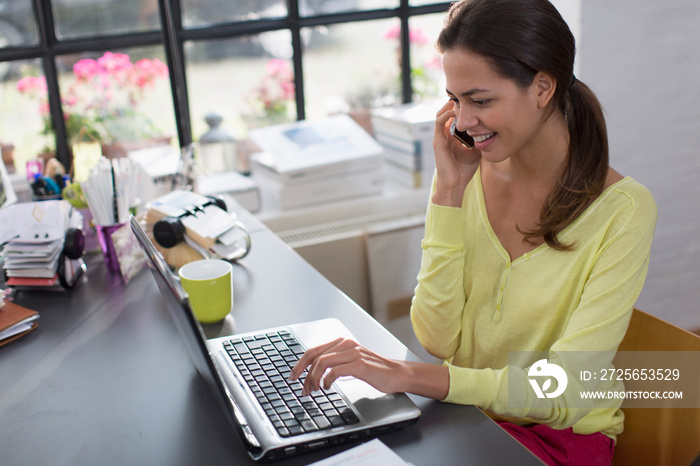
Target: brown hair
x,y
521,38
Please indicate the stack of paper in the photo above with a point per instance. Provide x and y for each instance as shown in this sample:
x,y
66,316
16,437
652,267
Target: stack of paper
x,y
316,161
406,134
32,256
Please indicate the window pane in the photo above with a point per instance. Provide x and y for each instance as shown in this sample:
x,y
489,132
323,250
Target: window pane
x,y
197,13
237,79
427,77
356,67
324,7
121,97
17,26
80,18
23,109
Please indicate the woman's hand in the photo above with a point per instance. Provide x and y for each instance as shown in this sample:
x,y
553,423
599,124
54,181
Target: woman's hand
x,y
455,163
343,357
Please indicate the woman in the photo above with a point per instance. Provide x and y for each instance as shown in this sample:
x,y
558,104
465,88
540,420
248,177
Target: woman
x,y
532,243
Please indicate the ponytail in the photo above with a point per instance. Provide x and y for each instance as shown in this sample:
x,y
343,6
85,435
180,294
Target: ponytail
x,y
583,179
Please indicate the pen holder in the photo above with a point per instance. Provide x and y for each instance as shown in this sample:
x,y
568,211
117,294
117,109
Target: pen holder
x,y
104,236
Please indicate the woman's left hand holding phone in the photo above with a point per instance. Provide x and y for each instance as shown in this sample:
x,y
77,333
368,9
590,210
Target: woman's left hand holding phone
x,y
455,163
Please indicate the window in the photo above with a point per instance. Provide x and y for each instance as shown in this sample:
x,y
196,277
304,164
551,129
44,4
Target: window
x,y
254,62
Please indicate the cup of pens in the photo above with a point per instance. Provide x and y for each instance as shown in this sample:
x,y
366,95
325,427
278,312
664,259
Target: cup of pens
x,y
110,191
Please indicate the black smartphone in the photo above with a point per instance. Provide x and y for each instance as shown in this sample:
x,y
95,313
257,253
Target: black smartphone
x,y
461,136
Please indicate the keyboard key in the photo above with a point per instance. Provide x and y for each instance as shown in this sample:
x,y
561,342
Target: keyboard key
x,y
309,425
321,422
349,416
336,421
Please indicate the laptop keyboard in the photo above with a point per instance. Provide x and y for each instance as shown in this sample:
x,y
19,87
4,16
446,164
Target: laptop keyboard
x,y
265,361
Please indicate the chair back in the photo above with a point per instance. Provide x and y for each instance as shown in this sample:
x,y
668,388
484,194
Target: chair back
x,y
663,436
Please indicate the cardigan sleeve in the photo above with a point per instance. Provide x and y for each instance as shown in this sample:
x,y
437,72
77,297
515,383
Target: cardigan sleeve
x,y
438,301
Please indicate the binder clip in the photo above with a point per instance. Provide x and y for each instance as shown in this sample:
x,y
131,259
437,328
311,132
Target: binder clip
x,y
71,265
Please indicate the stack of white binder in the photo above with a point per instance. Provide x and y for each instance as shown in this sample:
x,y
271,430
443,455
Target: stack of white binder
x,y
313,162
406,134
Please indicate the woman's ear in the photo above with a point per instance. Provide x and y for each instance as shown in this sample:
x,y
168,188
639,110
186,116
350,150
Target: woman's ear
x,y
546,87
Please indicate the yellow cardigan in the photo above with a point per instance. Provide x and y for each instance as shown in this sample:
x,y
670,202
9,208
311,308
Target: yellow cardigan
x,y
473,304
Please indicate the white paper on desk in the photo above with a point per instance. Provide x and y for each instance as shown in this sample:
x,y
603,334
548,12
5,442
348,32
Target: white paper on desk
x,y
209,223
37,222
19,327
371,453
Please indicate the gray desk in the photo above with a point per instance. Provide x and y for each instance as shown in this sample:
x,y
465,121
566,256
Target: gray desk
x,y
106,380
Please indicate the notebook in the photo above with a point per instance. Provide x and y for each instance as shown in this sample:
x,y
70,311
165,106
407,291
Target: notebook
x,y
247,375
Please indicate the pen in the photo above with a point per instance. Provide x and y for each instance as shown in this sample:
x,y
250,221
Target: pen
x,y
114,195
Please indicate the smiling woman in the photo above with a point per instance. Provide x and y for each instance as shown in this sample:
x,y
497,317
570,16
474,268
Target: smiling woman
x,y
532,243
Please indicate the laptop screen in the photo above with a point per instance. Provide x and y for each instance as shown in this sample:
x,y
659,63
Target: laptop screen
x,y
185,321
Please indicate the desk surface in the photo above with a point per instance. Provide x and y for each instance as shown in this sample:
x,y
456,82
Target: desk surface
x,y
105,379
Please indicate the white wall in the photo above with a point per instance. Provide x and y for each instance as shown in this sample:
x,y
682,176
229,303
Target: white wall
x,y
642,58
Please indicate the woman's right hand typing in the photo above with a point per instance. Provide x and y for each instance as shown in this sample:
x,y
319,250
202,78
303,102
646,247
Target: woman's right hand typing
x,y
455,163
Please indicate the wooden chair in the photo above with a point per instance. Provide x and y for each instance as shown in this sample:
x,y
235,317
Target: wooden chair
x,y
658,436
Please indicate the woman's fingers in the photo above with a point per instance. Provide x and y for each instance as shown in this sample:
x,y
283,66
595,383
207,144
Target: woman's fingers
x,y
310,355
335,363
340,358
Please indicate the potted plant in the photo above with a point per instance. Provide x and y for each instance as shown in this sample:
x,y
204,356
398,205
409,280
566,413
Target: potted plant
x,y
101,102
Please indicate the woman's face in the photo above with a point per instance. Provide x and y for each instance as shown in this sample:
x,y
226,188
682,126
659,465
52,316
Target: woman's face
x,y
502,118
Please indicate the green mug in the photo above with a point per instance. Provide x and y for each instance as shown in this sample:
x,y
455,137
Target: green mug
x,y
209,286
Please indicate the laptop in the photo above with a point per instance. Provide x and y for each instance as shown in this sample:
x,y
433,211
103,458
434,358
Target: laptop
x,y
248,375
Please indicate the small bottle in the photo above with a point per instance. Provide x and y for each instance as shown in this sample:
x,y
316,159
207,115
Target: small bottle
x,y
218,149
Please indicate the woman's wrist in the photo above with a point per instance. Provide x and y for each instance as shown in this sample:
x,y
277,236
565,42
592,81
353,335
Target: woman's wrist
x,y
428,380
448,197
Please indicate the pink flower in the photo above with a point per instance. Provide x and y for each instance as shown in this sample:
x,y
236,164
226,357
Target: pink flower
x,y
115,63
415,35
32,84
277,67
44,108
86,69
393,33
435,63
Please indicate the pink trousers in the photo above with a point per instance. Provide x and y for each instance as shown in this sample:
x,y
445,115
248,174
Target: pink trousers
x,y
563,447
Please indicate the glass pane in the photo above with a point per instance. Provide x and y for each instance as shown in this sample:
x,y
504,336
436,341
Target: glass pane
x,y
196,13
355,67
17,25
324,7
80,18
23,112
427,77
239,80
122,98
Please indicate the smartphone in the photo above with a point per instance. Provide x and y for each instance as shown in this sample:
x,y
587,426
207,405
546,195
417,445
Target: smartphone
x,y
461,136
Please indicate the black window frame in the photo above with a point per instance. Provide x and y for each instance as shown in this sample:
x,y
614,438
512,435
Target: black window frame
x,y
173,36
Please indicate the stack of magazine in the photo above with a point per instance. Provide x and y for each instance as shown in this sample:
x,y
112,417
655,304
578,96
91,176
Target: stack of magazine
x,y
316,161
406,134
